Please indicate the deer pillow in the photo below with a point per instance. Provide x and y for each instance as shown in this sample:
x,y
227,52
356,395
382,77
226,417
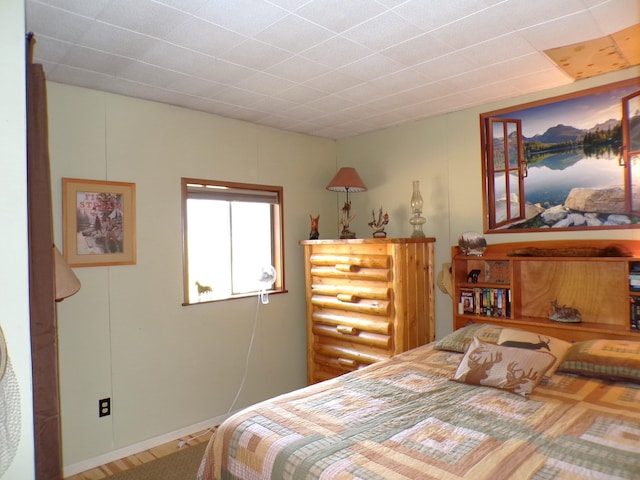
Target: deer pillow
x,y
513,369
513,337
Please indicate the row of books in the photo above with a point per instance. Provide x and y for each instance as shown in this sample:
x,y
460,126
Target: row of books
x,y
635,313
490,302
634,277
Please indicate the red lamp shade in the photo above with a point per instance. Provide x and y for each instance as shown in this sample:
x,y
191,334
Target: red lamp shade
x,y
347,180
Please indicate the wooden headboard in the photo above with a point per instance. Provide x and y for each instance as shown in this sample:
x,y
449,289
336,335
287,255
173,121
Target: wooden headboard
x,y
592,282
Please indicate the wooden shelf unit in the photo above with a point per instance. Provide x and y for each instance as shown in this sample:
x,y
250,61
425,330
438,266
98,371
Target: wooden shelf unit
x,y
367,300
598,287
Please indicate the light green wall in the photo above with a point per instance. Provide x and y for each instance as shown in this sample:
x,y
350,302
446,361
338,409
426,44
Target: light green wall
x,y
444,154
125,334
14,294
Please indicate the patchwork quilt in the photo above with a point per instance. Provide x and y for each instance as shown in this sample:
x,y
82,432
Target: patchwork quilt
x,y
405,419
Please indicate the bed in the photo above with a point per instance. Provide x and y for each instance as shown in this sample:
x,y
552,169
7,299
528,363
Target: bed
x,y
437,412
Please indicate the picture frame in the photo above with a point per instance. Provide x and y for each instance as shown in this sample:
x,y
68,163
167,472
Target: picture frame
x,y
99,222
563,163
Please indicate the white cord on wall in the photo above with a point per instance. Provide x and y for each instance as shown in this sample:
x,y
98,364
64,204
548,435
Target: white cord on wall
x,y
182,443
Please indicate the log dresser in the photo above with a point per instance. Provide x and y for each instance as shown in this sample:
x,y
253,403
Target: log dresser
x,y
367,300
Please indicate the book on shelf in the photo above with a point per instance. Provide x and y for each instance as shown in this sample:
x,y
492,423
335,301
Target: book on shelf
x,y
489,302
635,313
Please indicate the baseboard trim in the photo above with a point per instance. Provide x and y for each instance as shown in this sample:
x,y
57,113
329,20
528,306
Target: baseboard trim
x,y
114,455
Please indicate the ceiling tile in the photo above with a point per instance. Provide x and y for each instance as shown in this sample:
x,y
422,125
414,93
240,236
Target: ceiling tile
x,y
445,66
237,96
202,36
543,79
89,59
273,104
514,67
116,40
254,54
495,50
176,58
493,92
431,14
336,52
615,15
141,72
523,14
333,82
56,23
363,93
399,81
371,66
223,72
189,6
144,16
297,69
338,15
79,7
417,50
562,31
301,94
383,31
330,104
265,84
294,34
248,17
475,28
51,50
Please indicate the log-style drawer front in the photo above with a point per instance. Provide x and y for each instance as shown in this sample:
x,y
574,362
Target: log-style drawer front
x,y
343,357
359,310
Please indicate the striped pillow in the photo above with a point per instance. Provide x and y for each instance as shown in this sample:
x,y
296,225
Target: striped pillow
x,y
614,360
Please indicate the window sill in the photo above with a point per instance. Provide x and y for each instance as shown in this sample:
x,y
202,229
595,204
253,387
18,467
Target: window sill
x,y
234,297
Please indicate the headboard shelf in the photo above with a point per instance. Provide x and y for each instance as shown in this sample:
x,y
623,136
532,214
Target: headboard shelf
x,y
591,293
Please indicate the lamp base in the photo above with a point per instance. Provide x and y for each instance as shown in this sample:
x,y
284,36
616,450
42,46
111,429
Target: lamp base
x,y
346,233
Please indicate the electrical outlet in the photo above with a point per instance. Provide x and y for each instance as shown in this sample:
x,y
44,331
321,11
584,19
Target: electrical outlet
x,y
104,407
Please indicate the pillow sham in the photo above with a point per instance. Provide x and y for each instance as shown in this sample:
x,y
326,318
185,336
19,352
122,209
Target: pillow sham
x,y
513,337
614,360
512,369
459,340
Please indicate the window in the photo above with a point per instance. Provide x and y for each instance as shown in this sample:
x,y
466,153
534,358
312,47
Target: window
x,y
231,232
565,163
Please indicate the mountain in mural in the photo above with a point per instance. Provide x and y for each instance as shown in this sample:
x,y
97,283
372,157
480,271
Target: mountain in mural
x,y
568,134
559,134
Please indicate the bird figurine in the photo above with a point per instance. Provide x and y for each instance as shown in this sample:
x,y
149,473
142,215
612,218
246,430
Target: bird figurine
x,y
378,224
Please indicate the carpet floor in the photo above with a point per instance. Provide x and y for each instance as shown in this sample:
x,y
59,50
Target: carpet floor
x,y
182,465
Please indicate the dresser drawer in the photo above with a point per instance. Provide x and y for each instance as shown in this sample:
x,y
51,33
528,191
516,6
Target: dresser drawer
x,y
343,357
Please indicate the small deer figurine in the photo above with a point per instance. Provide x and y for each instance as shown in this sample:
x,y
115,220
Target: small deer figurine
x,y
563,313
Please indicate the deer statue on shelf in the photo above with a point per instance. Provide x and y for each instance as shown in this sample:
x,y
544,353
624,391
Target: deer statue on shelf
x,y
563,313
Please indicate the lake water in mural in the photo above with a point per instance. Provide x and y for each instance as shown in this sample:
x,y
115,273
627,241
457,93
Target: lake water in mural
x,y
550,180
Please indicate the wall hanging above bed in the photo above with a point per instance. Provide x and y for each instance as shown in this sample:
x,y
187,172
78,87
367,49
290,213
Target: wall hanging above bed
x,y
569,162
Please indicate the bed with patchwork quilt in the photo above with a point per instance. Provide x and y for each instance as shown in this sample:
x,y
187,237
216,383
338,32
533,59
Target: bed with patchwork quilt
x,y
439,412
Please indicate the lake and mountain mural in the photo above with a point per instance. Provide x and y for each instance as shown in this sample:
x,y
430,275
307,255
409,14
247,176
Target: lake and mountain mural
x,y
574,178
